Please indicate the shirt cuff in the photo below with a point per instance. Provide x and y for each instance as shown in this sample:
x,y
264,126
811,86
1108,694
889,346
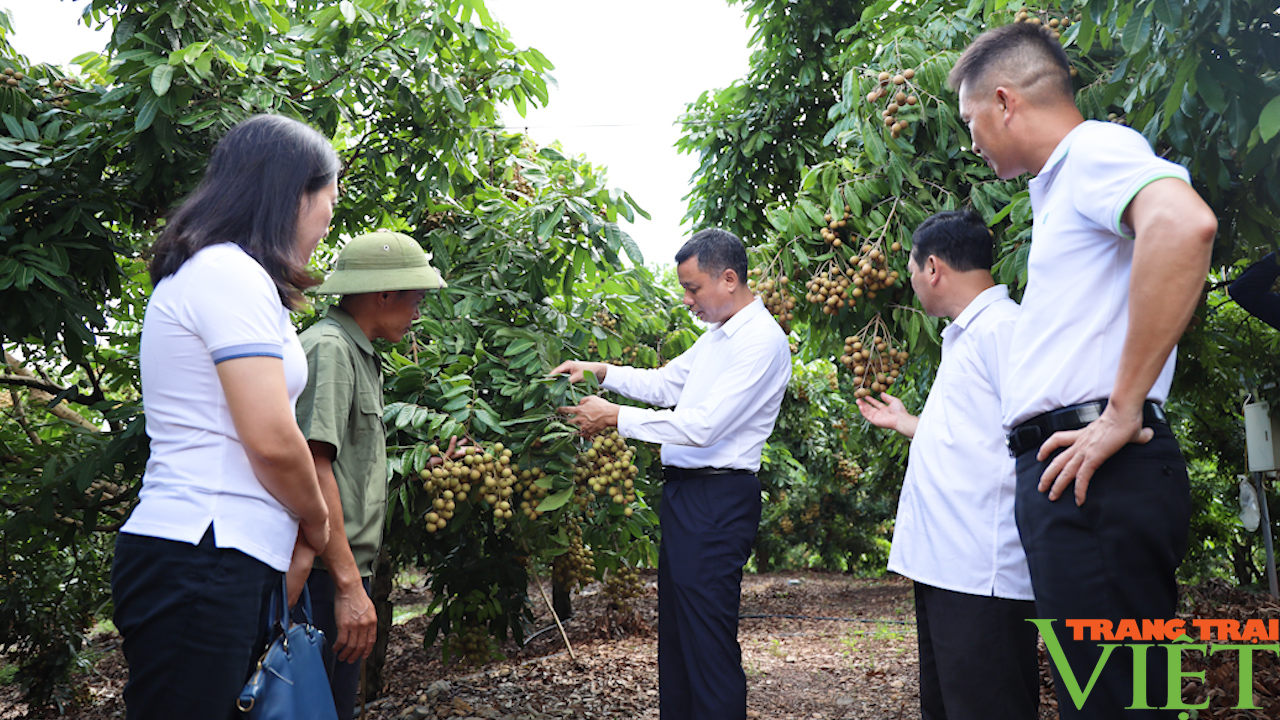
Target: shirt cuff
x,y
616,378
628,418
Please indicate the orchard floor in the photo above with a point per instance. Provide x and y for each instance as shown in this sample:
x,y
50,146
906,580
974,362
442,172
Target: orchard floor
x,y
815,646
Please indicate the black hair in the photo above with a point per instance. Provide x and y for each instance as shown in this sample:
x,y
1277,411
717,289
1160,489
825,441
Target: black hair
x,y
716,250
249,195
1014,49
959,238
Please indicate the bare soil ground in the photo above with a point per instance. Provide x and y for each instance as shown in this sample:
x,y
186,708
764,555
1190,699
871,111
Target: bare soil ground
x,y
815,647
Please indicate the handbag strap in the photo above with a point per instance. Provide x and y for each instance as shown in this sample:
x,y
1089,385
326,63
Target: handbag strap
x,y
279,610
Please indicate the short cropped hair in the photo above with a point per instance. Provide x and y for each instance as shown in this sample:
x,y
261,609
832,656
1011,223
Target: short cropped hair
x,y
716,250
959,238
1019,54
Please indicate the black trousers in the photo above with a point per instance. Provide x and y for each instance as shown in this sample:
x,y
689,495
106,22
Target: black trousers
x,y
978,656
344,677
194,621
708,527
1115,557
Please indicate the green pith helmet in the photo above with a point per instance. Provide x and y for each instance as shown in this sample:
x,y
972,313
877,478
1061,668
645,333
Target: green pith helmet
x,y
382,261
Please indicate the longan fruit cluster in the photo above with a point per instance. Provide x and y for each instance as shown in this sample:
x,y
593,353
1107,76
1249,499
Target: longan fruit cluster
x,y
621,586
1117,119
577,566
874,362
606,466
54,93
606,320
895,86
873,273
785,525
1034,17
831,232
848,470
530,492
491,472
472,646
773,292
831,288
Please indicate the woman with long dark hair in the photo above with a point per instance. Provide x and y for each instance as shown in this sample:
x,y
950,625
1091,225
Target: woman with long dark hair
x,y
230,486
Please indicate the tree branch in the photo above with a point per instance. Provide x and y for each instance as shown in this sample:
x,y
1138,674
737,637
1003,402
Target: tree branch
x,y
21,416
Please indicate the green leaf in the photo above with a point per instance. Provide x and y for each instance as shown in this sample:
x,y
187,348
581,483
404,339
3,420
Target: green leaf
x,y
454,97
1268,121
161,77
1169,13
548,225
14,127
1210,90
146,113
556,501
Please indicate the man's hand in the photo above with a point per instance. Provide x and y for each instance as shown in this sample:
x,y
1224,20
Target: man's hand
x,y
1086,450
299,568
357,622
454,452
888,412
575,368
592,415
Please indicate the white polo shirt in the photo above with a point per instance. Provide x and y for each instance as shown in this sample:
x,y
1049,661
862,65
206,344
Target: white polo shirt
x,y
1075,314
218,306
726,391
955,528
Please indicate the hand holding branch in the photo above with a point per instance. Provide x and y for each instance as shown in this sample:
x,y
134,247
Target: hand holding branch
x,y
592,414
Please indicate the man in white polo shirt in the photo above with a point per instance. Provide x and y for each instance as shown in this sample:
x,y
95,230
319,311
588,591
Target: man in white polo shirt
x,y
1119,253
955,534
726,391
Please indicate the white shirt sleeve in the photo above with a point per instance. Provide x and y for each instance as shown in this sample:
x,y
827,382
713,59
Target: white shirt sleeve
x,y
659,387
734,398
239,314
1119,163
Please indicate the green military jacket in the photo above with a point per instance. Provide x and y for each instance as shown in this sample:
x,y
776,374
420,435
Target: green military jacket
x,y
342,406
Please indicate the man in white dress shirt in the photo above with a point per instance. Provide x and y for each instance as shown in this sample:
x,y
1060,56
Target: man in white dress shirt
x,y
955,534
725,392
1120,249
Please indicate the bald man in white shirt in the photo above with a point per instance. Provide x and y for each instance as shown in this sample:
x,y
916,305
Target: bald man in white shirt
x,y
955,534
725,393
1119,253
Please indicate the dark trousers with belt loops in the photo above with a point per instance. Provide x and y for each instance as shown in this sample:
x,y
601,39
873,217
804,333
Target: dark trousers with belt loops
x,y
708,526
1112,558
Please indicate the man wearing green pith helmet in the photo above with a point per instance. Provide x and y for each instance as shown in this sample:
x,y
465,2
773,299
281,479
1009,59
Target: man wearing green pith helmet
x,y
382,278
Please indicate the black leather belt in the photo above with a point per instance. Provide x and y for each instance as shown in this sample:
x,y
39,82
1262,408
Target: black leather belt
x,y
1031,434
671,472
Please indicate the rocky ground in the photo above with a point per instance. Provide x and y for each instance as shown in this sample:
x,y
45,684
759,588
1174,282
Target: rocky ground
x,y
815,647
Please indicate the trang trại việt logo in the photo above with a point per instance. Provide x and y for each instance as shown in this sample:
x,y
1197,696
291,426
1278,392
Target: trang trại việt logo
x,y
1175,638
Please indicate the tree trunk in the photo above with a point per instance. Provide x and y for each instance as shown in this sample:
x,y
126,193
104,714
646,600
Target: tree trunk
x,y
560,600
381,592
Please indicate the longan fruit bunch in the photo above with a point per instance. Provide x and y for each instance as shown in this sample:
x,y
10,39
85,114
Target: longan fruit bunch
x,y
621,586
874,362
848,470
785,525
1042,17
577,566
831,232
447,484
896,87
37,90
607,466
773,292
530,492
1117,119
605,320
472,646
873,273
832,288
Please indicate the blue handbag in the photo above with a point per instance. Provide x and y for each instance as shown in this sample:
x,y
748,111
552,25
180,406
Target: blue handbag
x,y
290,682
